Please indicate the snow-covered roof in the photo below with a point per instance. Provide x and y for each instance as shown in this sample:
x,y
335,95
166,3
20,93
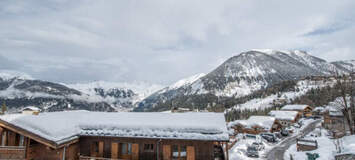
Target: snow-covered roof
x,y
59,126
31,108
333,111
263,121
295,107
319,109
284,115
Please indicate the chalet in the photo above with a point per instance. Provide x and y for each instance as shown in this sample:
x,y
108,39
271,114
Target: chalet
x,y
318,111
255,125
334,120
180,110
285,118
31,110
302,109
85,135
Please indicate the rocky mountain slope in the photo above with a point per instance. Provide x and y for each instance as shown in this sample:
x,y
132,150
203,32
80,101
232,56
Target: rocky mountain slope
x,y
240,76
18,91
348,65
122,96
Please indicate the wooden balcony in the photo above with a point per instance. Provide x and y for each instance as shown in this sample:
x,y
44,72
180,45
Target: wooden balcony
x,y
12,152
97,158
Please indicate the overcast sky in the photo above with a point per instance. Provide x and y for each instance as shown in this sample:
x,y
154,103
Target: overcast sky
x,y
162,41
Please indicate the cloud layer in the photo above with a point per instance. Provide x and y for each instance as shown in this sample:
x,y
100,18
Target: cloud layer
x,y
161,41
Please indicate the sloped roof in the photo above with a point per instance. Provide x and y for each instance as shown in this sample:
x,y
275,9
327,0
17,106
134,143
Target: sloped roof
x,y
263,121
60,126
284,115
295,107
31,108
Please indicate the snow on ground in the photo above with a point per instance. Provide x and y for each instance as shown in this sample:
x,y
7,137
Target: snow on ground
x,y
238,151
348,145
260,103
326,147
58,126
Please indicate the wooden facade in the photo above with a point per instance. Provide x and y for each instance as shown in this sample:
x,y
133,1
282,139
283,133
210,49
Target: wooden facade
x,y
306,112
239,128
145,148
18,144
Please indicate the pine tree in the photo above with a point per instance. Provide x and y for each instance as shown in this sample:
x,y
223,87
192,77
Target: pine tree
x,y
3,108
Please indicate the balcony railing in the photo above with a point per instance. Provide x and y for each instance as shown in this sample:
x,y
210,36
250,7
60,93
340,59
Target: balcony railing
x,y
12,152
97,158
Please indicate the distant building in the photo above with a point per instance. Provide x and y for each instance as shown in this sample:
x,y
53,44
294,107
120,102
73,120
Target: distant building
x,y
180,110
285,118
334,120
31,110
302,109
318,111
256,125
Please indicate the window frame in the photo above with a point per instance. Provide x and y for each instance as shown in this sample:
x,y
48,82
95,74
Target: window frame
x,y
179,156
128,148
148,147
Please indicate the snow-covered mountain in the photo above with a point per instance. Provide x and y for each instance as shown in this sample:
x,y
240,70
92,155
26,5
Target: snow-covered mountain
x,y
243,74
119,95
348,65
19,90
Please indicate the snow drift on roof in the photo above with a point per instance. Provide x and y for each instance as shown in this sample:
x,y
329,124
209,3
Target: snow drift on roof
x,y
284,115
295,107
263,121
58,126
31,108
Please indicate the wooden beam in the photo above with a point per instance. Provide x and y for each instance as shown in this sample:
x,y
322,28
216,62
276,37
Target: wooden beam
x,y
227,151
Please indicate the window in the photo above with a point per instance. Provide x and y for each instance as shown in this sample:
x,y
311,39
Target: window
x,y
179,152
126,148
22,140
3,139
95,147
149,147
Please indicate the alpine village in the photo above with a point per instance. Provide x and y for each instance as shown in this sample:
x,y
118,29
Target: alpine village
x,y
183,122
177,80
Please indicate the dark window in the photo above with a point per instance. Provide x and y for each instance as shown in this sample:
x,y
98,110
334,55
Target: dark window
x,y
149,147
179,152
95,147
126,148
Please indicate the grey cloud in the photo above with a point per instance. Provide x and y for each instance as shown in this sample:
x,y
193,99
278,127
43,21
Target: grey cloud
x,y
161,41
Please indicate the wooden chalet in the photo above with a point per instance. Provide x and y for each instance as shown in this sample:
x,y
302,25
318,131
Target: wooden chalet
x,y
318,111
302,109
256,125
334,120
31,110
285,118
84,135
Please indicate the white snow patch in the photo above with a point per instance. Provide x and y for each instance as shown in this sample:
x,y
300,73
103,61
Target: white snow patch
x,y
58,126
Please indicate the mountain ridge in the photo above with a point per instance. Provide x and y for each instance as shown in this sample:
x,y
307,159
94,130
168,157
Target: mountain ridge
x,y
245,73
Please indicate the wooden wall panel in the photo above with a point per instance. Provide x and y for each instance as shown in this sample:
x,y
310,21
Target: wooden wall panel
x,y
114,150
101,149
166,152
190,153
135,151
